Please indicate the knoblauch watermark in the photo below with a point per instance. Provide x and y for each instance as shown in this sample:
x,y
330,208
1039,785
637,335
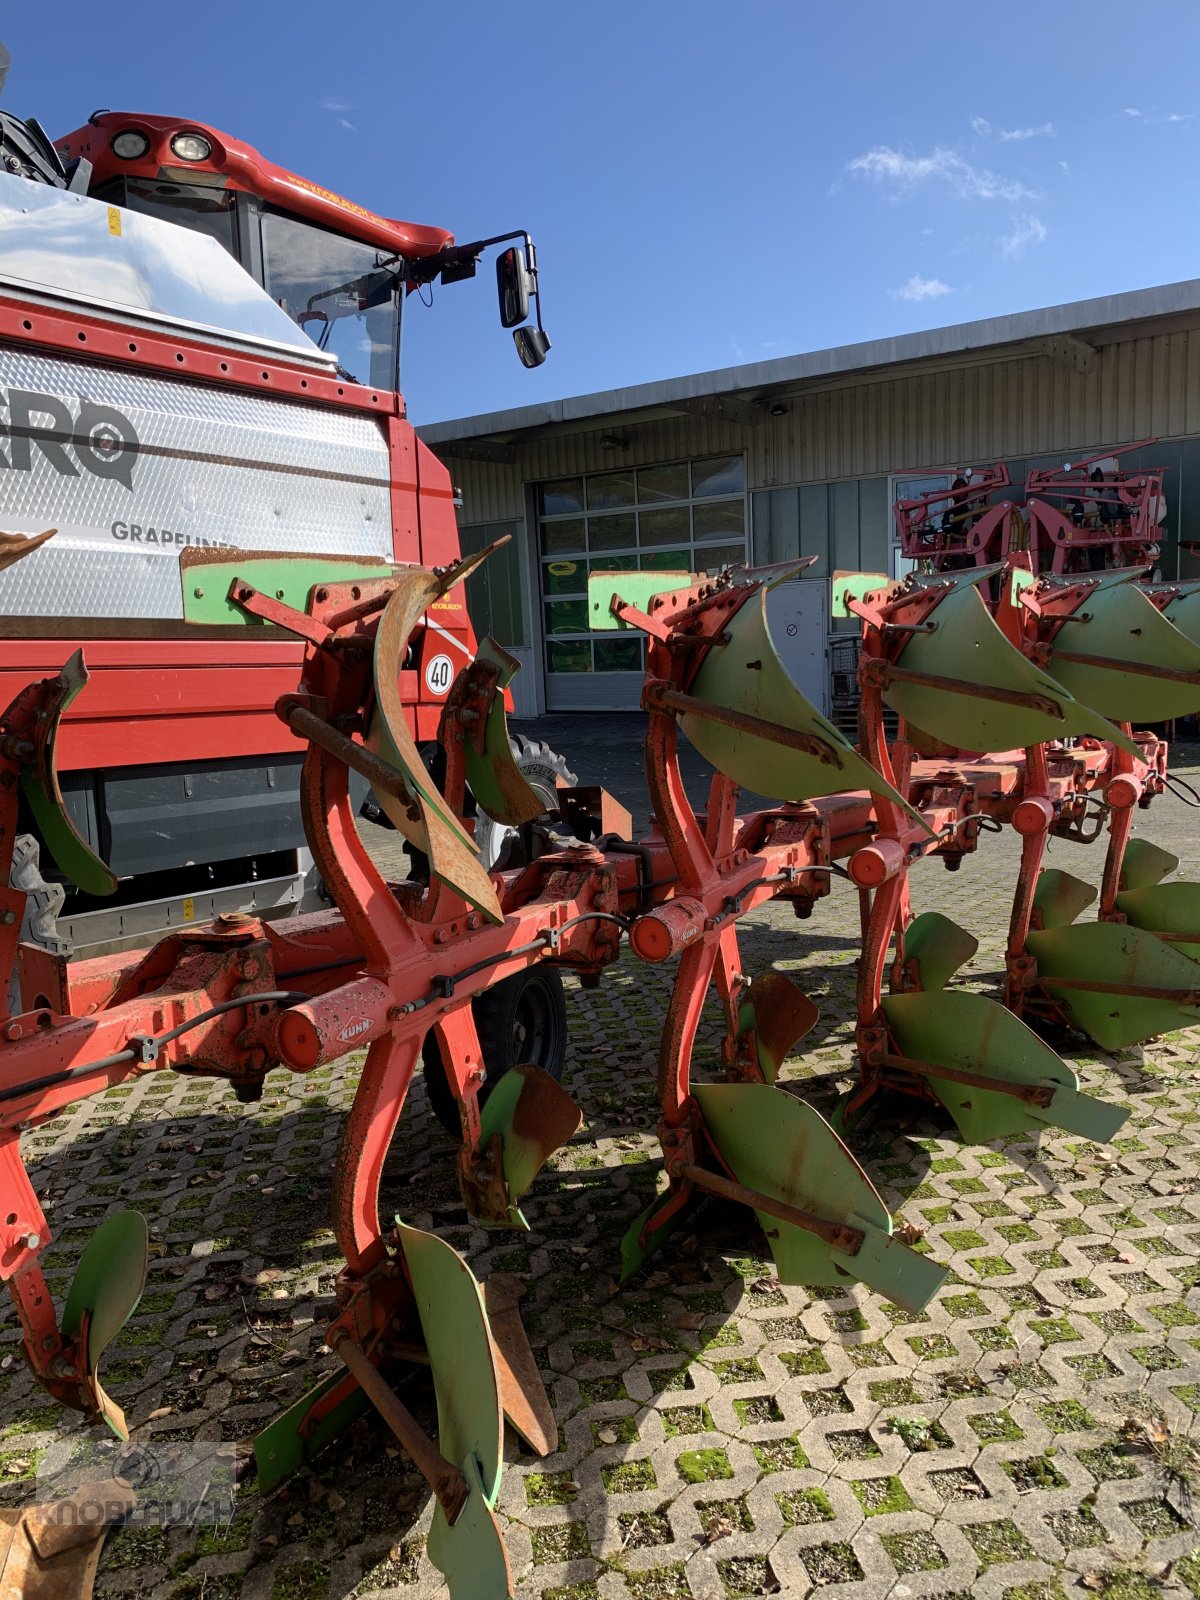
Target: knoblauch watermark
x,y
84,1482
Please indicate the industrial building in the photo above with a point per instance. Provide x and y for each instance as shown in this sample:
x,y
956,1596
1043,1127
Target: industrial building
x,y
803,456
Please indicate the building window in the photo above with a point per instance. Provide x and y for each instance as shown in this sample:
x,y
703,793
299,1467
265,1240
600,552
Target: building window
x,y
686,516
496,589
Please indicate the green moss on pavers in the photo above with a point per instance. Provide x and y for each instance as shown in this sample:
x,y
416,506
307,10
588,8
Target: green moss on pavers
x,y
831,1563
301,1580
718,1517
35,1420
826,1402
628,1477
136,1547
804,1363
990,1266
745,1370
920,1433
880,1496
721,1338
1055,1330
1073,1227
964,1239
992,1426
1065,1416
550,1489
1093,1368
932,1346
1077,1527
894,1392
778,1455
967,1185
703,1466
994,1337
224,1538
850,1320
999,1541
587,1590
1188,1572
20,1464
615,1430
966,1305
936,1215
642,1530
1025,1375
601,1391
661,1583
918,1551
761,1408
687,1419
1107,1462
1115,1320
1036,1591
959,1383
1156,1518
856,1444
1045,1260
567,1541
1189,1393
801,1506
1173,1314
1034,1472
946,1164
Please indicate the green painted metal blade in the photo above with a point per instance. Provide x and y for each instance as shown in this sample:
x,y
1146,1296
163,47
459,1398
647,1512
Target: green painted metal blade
x,y
73,856
1060,897
747,675
635,588
780,1014
635,1250
1166,908
1123,625
426,821
889,1267
968,648
493,776
938,946
108,1281
847,586
461,1356
1184,612
972,1033
1120,955
534,1116
108,1284
780,1147
1145,864
471,1554
286,1445
206,576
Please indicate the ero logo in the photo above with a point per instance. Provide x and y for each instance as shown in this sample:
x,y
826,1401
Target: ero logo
x,y
101,440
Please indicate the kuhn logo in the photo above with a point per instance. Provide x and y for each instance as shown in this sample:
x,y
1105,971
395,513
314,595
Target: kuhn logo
x,y
101,440
355,1029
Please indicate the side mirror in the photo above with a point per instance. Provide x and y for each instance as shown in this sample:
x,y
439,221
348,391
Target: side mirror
x,y
532,345
512,285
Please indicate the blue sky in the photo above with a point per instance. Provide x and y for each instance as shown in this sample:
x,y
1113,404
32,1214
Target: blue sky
x,y
708,184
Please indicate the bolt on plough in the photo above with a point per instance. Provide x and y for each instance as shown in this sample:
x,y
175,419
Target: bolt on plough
x,y
964,658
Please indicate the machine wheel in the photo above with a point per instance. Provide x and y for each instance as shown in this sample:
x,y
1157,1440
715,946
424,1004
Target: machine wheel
x,y
520,1021
543,769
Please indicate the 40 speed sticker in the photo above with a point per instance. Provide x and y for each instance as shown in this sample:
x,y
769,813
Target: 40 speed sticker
x,y
439,674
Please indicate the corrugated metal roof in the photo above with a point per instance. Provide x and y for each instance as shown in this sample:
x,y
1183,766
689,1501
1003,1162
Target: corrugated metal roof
x,y
789,373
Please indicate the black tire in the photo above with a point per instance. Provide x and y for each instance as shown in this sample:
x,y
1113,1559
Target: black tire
x,y
543,769
520,1021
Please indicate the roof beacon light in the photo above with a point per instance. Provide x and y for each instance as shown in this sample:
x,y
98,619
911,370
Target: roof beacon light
x,y
131,145
191,147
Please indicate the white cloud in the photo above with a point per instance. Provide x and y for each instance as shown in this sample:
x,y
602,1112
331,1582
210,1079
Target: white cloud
x,y
1045,131
982,126
921,289
332,104
1066,168
1154,116
1026,230
346,124
885,165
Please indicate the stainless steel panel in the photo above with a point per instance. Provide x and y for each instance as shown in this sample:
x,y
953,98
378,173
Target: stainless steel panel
x,y
186,464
